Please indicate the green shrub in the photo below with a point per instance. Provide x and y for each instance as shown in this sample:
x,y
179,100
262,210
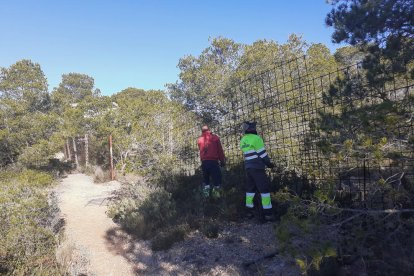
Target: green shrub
x,y
169,198
166,239
143,209
210,229
39,154
28,242
303,236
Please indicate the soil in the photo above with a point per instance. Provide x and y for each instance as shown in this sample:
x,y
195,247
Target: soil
x,y
240,249
83,205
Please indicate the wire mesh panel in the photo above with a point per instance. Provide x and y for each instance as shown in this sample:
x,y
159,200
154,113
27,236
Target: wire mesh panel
x,y
339,131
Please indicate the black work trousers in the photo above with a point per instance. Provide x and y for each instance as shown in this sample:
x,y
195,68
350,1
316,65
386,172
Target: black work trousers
x,y
211,169
257,181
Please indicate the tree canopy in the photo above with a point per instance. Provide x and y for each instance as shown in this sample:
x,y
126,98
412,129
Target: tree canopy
x,y
383,29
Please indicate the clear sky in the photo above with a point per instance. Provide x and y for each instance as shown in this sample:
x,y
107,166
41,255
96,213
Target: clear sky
x,y
139,43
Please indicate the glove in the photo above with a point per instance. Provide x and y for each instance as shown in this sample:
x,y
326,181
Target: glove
x,y
270,165
222,164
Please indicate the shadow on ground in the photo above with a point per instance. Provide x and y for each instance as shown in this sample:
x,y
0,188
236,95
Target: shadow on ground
x,y
237,245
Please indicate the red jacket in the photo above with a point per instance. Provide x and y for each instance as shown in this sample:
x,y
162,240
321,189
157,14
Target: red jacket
x,y
210,147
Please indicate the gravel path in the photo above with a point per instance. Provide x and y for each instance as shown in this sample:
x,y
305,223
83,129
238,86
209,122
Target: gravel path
x,y
83,205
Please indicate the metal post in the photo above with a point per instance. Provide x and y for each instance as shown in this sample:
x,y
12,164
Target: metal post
x,y
111,158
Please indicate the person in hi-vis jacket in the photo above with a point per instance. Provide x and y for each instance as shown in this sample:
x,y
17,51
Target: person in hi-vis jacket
x,y
255,161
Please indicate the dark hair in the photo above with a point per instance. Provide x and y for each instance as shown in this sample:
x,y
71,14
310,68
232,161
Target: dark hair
x,y
250,132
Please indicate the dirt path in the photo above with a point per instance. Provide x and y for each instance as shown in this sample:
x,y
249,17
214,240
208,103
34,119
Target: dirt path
x,y
95,245
83,205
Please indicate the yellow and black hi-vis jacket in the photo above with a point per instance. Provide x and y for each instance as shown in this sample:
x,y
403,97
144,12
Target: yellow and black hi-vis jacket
x,y
255,156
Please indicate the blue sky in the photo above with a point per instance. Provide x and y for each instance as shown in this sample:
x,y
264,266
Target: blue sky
x,y
139,43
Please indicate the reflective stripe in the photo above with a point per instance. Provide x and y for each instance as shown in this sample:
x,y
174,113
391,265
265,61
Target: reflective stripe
x,y
267,207
249,205
249,151
263,155
250,154
249,199
251,157
266,201
259,150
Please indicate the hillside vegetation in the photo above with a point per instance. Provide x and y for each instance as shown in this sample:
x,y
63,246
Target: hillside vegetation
x,y
339,126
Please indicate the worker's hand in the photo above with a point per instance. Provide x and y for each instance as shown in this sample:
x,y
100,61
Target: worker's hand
x,y
222,164
270,165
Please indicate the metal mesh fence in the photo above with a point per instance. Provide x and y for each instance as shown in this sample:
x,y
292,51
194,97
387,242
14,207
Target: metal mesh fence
x,y
341,131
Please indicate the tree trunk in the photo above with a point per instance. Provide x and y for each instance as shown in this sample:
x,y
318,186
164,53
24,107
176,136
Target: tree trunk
x,y
65,151
75,152
86,151
170,133
163,141
69,153
124,157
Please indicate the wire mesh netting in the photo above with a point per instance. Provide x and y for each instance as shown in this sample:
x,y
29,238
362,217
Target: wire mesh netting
x,y
343,131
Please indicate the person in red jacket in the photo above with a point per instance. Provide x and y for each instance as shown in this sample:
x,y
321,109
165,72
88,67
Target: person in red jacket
x,y
212,157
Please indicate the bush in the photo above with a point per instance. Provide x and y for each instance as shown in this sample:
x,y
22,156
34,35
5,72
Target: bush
x,y
28,241
166,239
143,209
210,229
304,236
168,199
321,236
38,155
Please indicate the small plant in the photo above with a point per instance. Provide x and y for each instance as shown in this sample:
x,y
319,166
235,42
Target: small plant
x,y
211,229
165,240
